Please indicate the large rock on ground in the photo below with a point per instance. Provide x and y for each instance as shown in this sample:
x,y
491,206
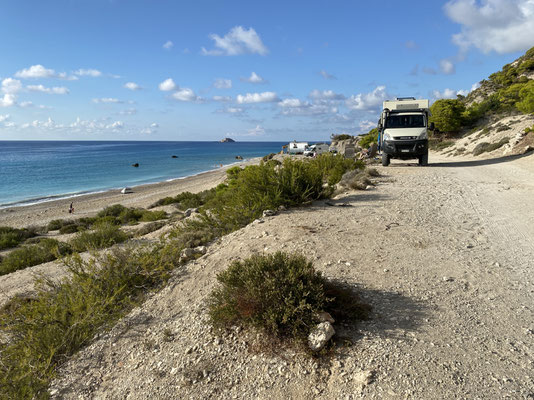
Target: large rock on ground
x,y
320,335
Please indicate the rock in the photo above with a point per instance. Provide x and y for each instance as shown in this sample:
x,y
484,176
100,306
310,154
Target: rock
x,y
320,335
238,157
527,149
135,165
268,213
323,316
174,156
190,211
227,140
189,253
282,208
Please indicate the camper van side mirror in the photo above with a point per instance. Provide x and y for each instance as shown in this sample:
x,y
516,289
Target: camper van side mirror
x,y
432,127
380,126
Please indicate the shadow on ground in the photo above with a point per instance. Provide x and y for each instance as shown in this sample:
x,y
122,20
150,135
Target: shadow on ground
x,y
476,163
392,315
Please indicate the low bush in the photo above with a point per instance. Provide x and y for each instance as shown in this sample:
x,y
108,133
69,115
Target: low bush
x,y
187,200
150,227
62,317
369,138
104,235
358,180
486,147
71,228
29,255
268,157
55,224
439,145
12,237
280,294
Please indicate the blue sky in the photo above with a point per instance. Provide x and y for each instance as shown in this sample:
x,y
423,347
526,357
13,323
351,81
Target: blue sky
x,y
269,71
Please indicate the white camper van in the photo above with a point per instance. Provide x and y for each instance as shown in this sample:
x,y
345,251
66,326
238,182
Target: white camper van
x,y
403,130
297,147
316,149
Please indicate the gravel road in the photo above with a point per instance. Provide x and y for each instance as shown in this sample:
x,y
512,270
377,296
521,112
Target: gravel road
x,y
444,254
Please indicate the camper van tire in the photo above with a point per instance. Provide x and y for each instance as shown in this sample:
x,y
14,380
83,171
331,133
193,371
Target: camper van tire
x,y
385,159
423,160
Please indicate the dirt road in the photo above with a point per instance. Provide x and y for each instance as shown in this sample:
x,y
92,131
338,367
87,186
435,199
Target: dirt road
x,y
444,254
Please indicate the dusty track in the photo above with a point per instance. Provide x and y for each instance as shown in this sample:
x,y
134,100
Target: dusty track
x,y
444,254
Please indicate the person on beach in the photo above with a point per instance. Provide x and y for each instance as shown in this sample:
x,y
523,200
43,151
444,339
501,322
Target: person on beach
x,y
71,208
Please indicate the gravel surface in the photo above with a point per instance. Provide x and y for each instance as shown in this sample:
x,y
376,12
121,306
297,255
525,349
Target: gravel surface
x,y
444,254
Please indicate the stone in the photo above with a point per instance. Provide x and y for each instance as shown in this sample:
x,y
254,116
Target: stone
x,y
268,213
190,211
238,157
135,165
323,316
320,335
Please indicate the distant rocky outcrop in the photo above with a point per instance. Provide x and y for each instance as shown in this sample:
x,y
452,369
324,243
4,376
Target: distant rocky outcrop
x,y
135,165
227,140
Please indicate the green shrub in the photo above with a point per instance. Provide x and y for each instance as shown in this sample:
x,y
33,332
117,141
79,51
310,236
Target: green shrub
x,y
27,256
187,200
358,180
12,237
71,228
448,115
486,147
526,98
278,293
369,138
342,136
55,224
62,317
104,235
150,227
112,211
439,144
149,216
268,157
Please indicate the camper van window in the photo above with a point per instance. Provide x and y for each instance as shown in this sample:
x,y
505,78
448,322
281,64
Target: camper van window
x,y
405,121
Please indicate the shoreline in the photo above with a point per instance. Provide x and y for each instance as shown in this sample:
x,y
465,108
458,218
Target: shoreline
x,y
89,204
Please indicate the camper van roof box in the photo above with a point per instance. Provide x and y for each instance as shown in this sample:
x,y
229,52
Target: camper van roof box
x,y
405,98
406,105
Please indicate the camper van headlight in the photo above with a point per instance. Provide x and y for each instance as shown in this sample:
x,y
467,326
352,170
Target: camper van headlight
x,y
387,136
423,135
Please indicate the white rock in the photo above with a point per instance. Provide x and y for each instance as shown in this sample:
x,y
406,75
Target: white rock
x,y
320,335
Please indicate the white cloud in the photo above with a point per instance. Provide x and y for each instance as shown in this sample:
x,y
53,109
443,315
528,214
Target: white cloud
x,y
8,100
294,107
168,45
154,125
237,41
231,110
503,26
38,71
254,78
325,95
222,99
4,117
88,72
107,100
129,111
52,90
367,101
475,86
366,125
132,86
11,86
326,75
221,83
256,131
447,67
265,97
447,94
115,125
185,94
167,85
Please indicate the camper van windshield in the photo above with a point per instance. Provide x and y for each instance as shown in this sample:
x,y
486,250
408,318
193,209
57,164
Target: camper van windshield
x,y
405,121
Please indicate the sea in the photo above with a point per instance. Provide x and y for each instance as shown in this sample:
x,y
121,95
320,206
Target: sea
x,y
38,171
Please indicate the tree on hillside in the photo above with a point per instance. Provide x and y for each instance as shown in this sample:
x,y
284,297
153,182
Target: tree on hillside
x,y
526,98
448,114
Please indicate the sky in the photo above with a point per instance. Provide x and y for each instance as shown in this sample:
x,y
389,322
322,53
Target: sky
x,y
252,71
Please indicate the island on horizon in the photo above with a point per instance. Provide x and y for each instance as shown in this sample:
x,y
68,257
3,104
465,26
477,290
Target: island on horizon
x,y
227,140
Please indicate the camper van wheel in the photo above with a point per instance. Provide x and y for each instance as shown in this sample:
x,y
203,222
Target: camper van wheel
x,y
385,159
423,160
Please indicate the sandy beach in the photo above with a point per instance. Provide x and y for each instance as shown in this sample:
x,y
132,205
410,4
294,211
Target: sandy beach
x,y
88,205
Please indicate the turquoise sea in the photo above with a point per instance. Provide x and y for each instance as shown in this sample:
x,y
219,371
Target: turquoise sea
x,y
35,171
